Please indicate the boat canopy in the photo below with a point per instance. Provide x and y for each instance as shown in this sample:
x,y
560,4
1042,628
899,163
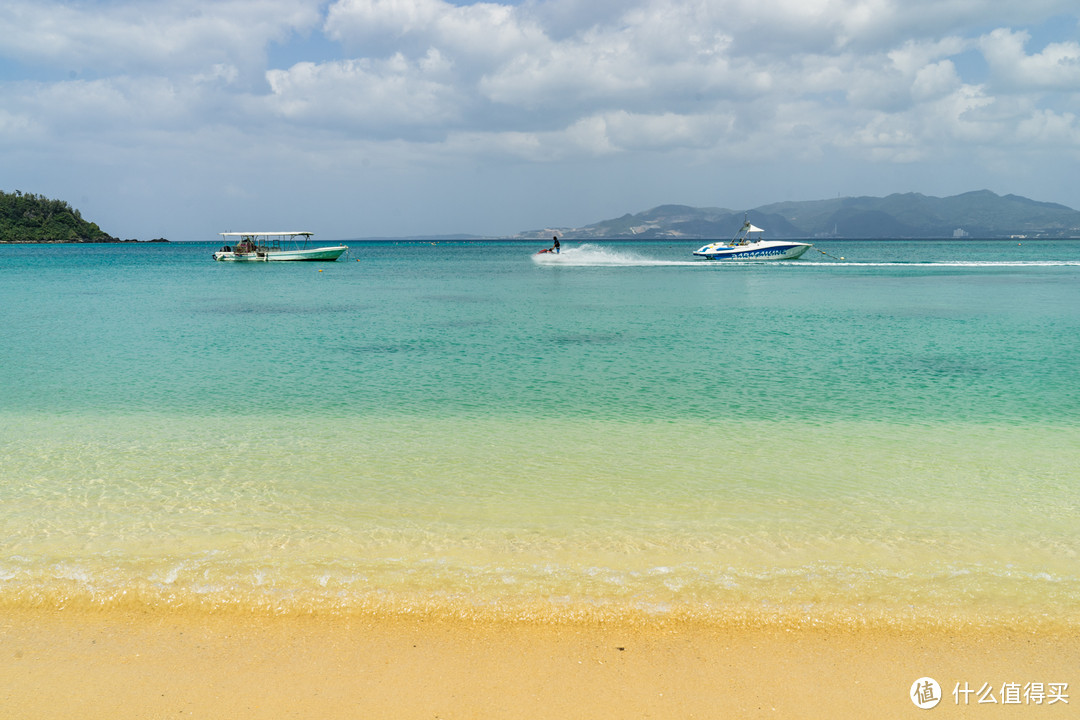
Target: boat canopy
x,y
753,228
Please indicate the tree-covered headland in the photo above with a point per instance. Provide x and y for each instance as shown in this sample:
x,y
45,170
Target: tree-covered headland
x,y
29,218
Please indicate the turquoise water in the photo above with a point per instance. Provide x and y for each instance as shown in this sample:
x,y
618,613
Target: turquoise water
x,y
620,430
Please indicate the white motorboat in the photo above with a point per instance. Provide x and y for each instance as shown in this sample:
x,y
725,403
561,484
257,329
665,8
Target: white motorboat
x,y
275,246
750,244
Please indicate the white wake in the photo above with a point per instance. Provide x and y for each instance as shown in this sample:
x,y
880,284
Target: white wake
x,y
595,255
588,255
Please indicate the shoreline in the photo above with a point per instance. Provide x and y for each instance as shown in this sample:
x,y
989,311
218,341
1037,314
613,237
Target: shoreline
x,y
117,664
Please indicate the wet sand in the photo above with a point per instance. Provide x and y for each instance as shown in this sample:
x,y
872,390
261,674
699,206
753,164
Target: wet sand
x,y
120,665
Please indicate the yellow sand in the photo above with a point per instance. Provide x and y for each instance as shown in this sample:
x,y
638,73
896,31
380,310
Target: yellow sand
x,y
117,665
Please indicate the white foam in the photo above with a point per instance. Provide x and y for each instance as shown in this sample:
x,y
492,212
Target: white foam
x,y
594,255
588,255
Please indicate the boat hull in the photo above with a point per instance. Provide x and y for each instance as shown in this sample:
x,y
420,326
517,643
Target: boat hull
x,y
326,254
765,250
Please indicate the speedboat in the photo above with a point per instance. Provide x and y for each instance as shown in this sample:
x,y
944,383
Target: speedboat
x,y
750,244
275,246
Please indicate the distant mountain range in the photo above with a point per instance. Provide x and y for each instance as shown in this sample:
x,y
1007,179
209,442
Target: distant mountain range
x,y
980,214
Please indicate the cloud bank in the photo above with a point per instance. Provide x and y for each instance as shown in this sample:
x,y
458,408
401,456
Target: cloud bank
x,y
400,117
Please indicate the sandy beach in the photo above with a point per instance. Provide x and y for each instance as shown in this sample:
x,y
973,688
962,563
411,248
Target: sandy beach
x,y
119,665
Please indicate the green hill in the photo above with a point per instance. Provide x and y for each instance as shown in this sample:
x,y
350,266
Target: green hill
x,y
978,214
907,215
28,218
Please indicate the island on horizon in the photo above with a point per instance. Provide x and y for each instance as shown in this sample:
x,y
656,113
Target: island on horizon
x,y
899,216
28,218
976,214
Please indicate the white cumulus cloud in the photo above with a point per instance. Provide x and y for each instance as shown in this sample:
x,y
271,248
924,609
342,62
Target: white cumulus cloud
x,y
671,93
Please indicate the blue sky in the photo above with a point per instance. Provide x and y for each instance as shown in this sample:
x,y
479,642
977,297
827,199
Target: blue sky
x,y
359,118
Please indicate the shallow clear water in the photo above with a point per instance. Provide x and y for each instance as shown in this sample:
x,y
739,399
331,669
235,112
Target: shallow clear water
x,y
617,430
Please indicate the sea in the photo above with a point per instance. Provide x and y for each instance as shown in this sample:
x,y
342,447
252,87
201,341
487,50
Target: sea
x,y
881,432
